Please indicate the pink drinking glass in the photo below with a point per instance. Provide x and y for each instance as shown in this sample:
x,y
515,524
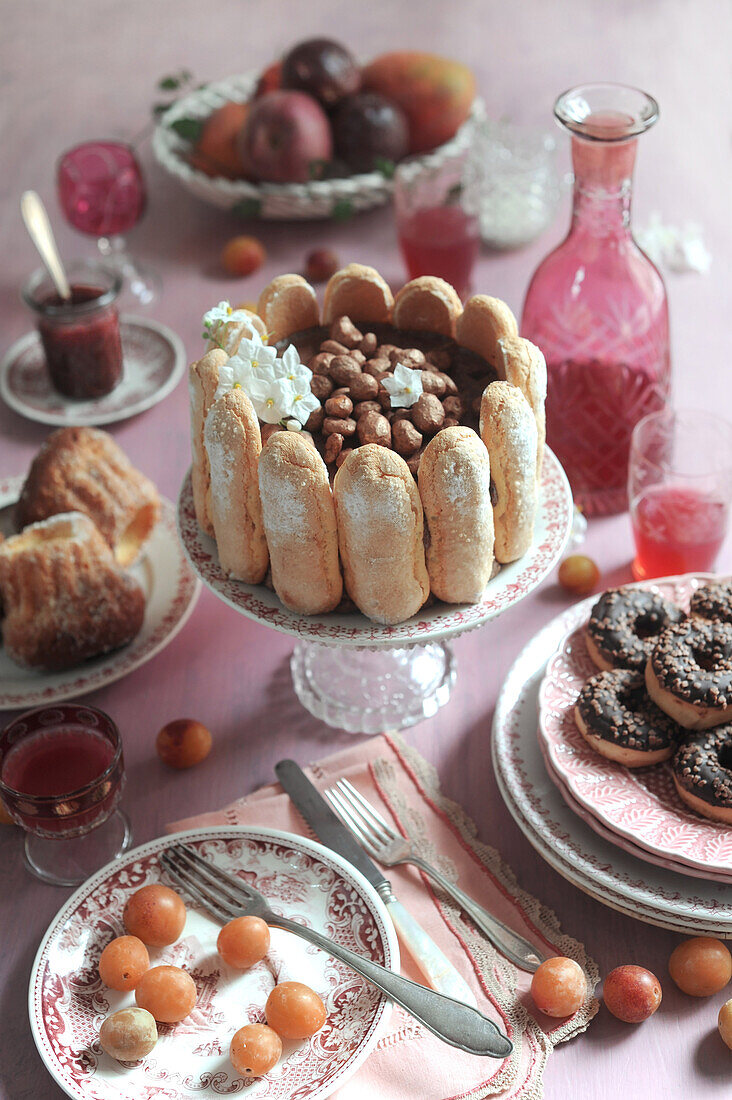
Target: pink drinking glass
x,y
61,778
437,225
101,191
680,490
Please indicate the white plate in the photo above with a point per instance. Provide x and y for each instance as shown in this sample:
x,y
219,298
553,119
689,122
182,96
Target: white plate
x,y
337,198
638,889
154,362
171,591
508,587
303,880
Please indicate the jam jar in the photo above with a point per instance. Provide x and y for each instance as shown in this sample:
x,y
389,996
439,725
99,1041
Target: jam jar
x,y
80,336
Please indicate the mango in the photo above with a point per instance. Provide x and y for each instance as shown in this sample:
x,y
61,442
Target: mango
x,y
434,93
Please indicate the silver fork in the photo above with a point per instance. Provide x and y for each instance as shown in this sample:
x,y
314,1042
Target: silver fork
x,y
389,848
226,897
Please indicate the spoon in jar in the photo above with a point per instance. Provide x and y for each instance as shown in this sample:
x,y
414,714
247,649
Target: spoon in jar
x,y
39,227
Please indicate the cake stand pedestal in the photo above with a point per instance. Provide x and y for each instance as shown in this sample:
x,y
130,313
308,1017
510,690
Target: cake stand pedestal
x,y
357,675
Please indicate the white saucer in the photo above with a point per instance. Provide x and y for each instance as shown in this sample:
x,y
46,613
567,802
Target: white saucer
x,y
171,591
154,361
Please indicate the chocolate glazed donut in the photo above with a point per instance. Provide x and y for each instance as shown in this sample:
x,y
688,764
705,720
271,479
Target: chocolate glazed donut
x,y
702,771
689,673
713,601
617,719
624,626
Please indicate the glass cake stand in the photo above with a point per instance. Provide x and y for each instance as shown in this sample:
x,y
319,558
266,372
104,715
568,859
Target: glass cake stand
x,y
357,675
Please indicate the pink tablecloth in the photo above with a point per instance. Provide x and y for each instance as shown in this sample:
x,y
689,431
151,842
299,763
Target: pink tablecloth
x,y
71,72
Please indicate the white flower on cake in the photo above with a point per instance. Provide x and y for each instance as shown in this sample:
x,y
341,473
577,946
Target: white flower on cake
x,y
404,386
303,404
253,361
290,367
219,321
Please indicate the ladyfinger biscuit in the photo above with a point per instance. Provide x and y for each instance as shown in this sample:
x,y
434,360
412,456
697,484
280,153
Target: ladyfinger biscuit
x,y
229,334
358,292
508,429
233,444
300,524
203,380
483,322
523,364
288,304
455,487
427,303
380,533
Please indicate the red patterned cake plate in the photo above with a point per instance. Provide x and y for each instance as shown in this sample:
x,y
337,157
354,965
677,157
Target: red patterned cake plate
x,y
171,591
639,805
309,883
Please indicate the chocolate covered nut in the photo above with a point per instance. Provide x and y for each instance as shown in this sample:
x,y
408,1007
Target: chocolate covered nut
x,y
369,344
343,369
366,407
321,386
315,421
413,461
433,383
405,437
450,385
401,414
333,447
341,391
450,422
320,363
358,356
428,413
343,456
268,430
339,406
345,332
334,347
377,368
439,358
363,387
383,351
384,398
408,357
342,425
374,428
453,406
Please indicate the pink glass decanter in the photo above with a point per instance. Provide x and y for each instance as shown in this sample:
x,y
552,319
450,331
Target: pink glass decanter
x,y
596,305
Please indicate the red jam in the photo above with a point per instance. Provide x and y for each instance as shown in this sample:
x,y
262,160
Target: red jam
x,y
82,345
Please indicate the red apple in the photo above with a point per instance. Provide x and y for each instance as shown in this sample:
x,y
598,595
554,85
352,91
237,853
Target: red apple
x,y
286,138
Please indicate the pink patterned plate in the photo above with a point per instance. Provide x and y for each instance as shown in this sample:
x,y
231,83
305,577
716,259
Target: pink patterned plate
x,y
309,883
171,591
508,587
638,805
154,361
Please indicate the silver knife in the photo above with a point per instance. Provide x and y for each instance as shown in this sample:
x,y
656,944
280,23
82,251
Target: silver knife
x,y
436,968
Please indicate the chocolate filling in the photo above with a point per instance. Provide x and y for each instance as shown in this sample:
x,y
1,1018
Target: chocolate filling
x,y
615,707
625,624
713,601
693,660
703,765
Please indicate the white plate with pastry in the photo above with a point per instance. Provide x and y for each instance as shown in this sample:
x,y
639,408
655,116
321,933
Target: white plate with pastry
x,y
170,590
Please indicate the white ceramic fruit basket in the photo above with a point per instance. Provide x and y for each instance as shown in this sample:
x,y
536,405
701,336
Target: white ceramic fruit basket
x,y
330,198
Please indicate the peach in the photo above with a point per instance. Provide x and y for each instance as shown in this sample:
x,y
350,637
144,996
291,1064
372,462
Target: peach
x,y
243,255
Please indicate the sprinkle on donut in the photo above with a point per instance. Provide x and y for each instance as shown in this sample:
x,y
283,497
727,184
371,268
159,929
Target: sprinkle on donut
x,y
702,771
624,627
617,719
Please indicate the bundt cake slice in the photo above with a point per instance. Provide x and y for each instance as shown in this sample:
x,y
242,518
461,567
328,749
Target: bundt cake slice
x,y
83,470
64,596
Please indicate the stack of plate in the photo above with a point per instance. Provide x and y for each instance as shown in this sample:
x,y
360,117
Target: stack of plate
x,y
622,836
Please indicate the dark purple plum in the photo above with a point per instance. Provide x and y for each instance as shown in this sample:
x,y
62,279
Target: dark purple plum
x,y
367,128
322,68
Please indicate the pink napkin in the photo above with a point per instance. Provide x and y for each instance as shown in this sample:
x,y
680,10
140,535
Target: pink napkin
x,y
409,1063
